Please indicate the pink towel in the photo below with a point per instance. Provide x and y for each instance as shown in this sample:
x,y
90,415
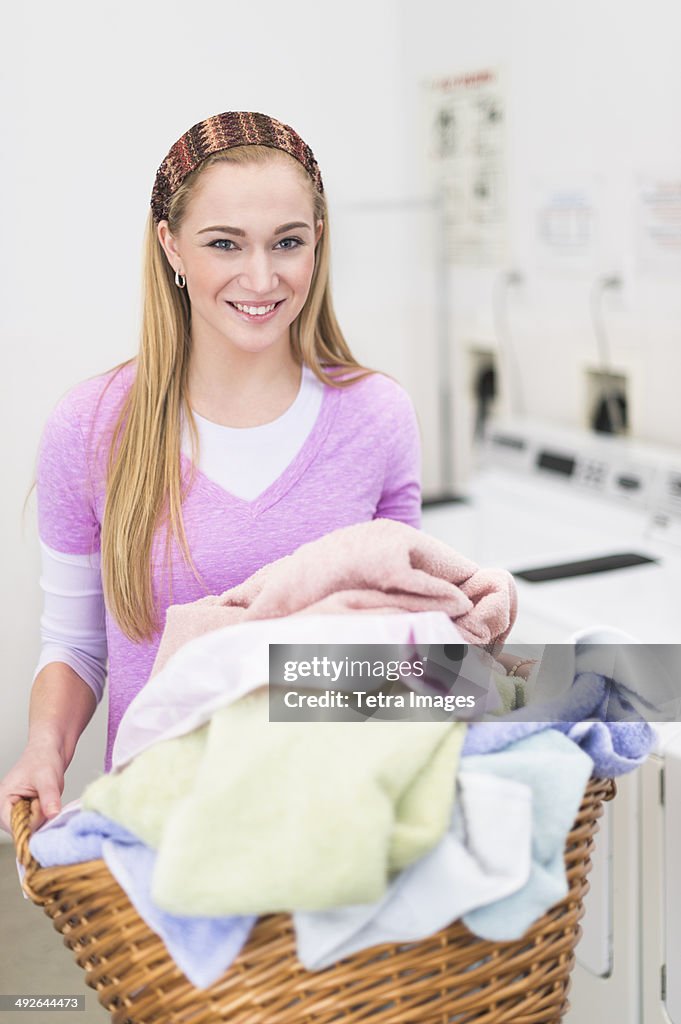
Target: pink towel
x,y
382,565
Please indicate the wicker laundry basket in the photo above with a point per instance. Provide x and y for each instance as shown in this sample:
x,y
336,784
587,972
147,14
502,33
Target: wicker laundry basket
x,y
450,978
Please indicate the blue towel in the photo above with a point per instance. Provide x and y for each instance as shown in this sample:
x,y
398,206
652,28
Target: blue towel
x,y
202,947
557,772
590,713
77,839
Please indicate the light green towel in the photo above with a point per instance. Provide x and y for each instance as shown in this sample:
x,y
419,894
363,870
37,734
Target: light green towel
x,y
512,692
143,795
251,816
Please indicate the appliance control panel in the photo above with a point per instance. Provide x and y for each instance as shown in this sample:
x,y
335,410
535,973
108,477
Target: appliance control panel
x,y
611,468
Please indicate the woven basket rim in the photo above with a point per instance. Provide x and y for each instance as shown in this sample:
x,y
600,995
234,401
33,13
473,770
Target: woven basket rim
x,y
603,789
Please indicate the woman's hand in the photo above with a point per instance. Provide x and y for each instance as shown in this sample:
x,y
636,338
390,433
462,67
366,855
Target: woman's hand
x,y
39,775
61,706
521,668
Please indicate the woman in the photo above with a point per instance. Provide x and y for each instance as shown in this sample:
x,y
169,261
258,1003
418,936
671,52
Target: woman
x,y
242,429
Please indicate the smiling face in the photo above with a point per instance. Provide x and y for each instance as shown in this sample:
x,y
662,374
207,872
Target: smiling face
x,y
246,247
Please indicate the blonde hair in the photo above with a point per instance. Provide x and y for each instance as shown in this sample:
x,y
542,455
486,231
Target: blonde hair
x,y
143,488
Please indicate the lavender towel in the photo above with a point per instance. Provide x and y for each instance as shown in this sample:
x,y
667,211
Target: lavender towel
x,y
590,713
202,947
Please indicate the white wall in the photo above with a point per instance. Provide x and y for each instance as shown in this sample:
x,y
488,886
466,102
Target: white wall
x,y
594,92
98,95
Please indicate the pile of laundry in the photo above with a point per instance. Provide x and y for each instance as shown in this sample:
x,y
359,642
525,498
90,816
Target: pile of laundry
x,y
366,831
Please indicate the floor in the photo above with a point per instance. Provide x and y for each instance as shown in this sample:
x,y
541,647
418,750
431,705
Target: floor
x,y
33,958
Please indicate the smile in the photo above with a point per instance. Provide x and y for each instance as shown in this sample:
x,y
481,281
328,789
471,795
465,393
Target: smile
x,y
261,313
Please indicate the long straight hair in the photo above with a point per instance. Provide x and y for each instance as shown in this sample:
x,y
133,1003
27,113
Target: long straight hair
x,y
144,483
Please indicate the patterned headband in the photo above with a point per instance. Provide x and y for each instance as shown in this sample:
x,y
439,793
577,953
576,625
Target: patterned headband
x,y
224,131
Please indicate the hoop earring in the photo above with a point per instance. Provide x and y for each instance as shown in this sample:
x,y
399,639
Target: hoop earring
x,y
180,281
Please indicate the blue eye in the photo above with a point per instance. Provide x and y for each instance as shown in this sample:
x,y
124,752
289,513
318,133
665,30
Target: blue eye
x,y
217,244
298,243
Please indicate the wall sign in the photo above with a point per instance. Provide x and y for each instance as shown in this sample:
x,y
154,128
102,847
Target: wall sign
x,y
467,157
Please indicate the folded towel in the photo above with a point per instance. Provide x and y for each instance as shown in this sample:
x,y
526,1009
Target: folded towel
x,y
557,772
202,947
251,816
382,565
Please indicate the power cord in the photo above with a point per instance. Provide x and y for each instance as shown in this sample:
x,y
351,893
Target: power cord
x,y
502,284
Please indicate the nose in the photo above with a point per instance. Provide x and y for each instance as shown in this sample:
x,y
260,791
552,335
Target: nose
x,y
257,274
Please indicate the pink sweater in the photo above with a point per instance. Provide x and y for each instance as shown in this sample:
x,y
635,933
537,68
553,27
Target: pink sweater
x,y
361,461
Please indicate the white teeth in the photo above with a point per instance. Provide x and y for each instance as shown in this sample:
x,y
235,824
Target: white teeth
x,y
255,310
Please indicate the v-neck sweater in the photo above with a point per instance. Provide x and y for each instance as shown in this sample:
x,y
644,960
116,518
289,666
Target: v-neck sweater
x,y
360,461
246,460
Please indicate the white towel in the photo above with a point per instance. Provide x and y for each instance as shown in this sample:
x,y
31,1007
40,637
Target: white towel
x,y
485,856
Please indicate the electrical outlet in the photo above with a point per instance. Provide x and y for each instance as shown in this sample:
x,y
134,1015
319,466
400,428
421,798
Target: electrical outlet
x,y
607,402
483,386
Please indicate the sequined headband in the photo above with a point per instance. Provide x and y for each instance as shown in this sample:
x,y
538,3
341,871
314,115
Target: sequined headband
x,y
224,131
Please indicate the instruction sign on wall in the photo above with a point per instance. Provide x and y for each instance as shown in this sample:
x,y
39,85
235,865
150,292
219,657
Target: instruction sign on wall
x,y
659,224
467,157
567,227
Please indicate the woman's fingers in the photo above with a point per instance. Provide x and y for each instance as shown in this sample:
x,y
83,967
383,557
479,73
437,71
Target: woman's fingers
x,y
37,776
37,817
50,798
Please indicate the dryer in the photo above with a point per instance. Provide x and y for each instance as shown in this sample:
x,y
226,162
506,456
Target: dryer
x,y
591,528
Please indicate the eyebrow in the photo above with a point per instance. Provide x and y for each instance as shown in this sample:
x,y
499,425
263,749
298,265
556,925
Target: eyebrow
x,y
238,231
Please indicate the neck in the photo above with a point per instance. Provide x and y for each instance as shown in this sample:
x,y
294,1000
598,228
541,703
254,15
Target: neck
x,y
240,389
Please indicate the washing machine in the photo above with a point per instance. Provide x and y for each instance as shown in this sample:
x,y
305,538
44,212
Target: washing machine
x,y
590,526
661,880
